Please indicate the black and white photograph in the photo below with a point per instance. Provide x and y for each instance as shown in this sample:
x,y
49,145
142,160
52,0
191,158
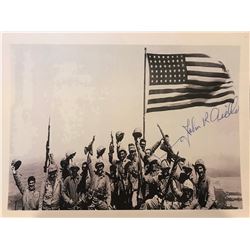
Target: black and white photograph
x,y
123,126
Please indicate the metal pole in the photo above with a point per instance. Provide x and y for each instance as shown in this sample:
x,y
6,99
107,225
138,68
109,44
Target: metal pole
x,y
144,93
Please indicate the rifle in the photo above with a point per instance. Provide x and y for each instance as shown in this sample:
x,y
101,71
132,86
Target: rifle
x,y
89,148
47,157
169,148
176,161
112,138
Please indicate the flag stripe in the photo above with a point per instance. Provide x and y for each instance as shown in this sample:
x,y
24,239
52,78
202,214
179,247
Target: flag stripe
x,y
205,100
205,64
176,94
189,85
206,69
196,55
200,59
186,90
203,83
208,74
188,96
206,80
164,108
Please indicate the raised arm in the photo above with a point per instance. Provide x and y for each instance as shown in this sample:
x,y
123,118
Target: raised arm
x,y
155,146
18,181
90,167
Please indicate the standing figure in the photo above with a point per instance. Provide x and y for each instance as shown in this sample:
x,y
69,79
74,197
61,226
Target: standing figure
x,y
30,197
113,179
99,187
150,178
123,189
51,190
205,189
133,174
70,185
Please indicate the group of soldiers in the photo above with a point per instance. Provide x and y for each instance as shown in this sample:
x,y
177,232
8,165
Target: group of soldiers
x,y
135,178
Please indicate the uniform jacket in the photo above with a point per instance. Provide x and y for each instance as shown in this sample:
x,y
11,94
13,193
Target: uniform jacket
x,y
100,185
205,192
50,196
30,198
70,186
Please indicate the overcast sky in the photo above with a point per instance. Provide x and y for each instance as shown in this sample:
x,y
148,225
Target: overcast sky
x,y
92,90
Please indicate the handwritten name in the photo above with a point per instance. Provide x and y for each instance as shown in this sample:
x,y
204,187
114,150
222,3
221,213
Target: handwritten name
x,y
216,114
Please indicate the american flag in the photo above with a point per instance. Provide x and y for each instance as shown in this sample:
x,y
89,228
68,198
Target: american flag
x,y
178,81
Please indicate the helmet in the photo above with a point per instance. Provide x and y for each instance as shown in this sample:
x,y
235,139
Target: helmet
x,y
153,159
119,136
16,164
52,168
122,149
198,163
137,133
74,166
100,150
188,185
70,154
99,164
131,147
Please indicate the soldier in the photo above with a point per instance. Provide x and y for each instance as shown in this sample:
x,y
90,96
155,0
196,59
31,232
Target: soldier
x,y
99,187
122,164
143,144
162,195
85,179
151,185
133,174
65,164
113,178
186,200
70,185
51,190
83,187
205,189
30,197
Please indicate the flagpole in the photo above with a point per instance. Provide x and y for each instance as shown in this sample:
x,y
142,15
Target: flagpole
x,y
144,92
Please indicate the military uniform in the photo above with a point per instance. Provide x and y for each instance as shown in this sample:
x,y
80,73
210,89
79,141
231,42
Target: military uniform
x,y
70,193
100,190
204,187
50,196
51,191
205,193
30,199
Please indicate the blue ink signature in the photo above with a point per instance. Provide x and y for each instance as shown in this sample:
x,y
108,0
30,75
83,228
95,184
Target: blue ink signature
x,y
216,114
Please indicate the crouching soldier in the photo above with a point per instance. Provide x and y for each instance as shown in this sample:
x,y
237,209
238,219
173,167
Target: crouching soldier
x,y
30,197
161,180
51,190
186,200
99,187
